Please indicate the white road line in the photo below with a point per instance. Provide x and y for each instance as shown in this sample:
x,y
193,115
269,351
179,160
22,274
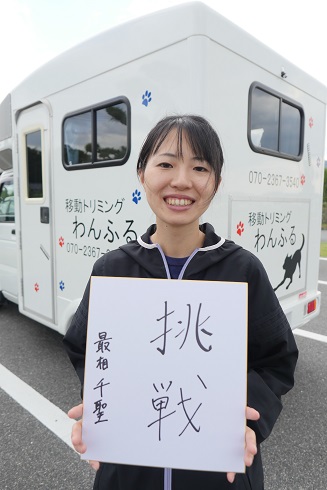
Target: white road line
x,y
53,417
323,258
310,335
42,409
322,282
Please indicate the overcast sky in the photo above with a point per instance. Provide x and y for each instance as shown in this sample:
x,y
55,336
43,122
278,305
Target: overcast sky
x,y
34,31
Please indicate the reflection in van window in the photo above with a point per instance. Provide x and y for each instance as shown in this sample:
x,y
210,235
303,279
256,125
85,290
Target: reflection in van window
x,y
275,124
291,125
6,159
111,124
99,136
34,165
264,116
78,139
7,206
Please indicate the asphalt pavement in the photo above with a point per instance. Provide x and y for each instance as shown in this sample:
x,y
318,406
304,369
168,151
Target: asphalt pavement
x,y
34,458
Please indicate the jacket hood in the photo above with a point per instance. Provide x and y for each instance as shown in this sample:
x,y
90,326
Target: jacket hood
x,y
150,256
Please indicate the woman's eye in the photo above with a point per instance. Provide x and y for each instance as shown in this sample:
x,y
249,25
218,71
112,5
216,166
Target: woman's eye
x,y
201,169
165,165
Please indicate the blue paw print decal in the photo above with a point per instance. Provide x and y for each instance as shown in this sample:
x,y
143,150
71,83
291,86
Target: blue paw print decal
x,y
62,285
146,98
136,196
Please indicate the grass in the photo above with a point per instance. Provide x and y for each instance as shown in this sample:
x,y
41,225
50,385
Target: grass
x,y
323,250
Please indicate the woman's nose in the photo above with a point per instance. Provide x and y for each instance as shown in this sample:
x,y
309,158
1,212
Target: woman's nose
x,y
181,179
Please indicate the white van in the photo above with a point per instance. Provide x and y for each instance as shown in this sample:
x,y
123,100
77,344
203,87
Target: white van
x,y
75,127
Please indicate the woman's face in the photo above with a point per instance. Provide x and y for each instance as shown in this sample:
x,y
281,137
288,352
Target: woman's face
x,y
178,189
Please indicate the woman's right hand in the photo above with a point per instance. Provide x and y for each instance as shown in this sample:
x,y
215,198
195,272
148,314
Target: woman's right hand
x,y
76,437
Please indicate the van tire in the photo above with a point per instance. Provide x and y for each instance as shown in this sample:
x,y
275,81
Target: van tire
x,y
2,299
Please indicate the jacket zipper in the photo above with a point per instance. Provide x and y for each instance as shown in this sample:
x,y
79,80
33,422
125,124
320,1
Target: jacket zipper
x,y
184,266
167,478
168,471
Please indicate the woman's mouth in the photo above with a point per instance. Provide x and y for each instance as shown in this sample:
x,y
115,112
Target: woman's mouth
x,y
173,201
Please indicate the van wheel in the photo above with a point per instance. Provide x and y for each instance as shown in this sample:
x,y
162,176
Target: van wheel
x,y
2,299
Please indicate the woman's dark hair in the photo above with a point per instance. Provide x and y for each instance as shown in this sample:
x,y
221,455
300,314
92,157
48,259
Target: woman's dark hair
x,y
201,136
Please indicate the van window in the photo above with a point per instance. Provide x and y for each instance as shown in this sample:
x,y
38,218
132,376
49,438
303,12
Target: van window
x,y
34,179
7,206
275,124
5,159
98,136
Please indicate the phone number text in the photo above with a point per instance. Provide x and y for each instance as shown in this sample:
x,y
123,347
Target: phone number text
x,y
85,250
272,179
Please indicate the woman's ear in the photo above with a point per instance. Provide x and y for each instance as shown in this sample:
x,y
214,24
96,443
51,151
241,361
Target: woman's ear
x,y
141,176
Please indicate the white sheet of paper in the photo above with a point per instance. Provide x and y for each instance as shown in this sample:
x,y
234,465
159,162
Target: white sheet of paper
x,y
165,373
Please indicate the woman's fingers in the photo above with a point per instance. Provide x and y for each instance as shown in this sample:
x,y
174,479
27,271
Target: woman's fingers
x,y
94,464
250,437
250,442
76,438
76,412
231,477
252,414
250,446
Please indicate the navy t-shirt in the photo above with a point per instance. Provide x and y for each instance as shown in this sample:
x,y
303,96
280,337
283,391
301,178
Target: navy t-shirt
x,y
175,265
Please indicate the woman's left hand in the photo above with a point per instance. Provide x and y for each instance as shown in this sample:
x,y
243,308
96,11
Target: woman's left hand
x,y
250,442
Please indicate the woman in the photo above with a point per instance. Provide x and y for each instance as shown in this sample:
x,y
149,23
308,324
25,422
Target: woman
x,y
180,167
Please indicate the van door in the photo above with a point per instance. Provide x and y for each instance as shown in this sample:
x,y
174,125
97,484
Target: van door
x,y
35,211
8,252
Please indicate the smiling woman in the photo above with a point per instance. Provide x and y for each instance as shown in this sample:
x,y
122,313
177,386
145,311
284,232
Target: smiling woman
x,y
180,168
180,179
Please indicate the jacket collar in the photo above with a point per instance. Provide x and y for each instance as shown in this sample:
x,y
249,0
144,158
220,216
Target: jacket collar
x,y
152,259
211,241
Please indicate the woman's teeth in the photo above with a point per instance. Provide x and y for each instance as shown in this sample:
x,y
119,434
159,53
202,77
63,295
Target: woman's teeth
x,y
178,202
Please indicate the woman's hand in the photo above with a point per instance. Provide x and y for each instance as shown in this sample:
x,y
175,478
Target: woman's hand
x,y
76,437
250,442
250,439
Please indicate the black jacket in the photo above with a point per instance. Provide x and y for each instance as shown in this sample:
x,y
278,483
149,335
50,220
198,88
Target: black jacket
x,y
272,352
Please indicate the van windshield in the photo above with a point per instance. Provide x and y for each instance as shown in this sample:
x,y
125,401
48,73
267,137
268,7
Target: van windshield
x,y
7,209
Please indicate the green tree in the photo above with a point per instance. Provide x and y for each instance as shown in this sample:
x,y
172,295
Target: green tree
x,y
118,114
325,186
